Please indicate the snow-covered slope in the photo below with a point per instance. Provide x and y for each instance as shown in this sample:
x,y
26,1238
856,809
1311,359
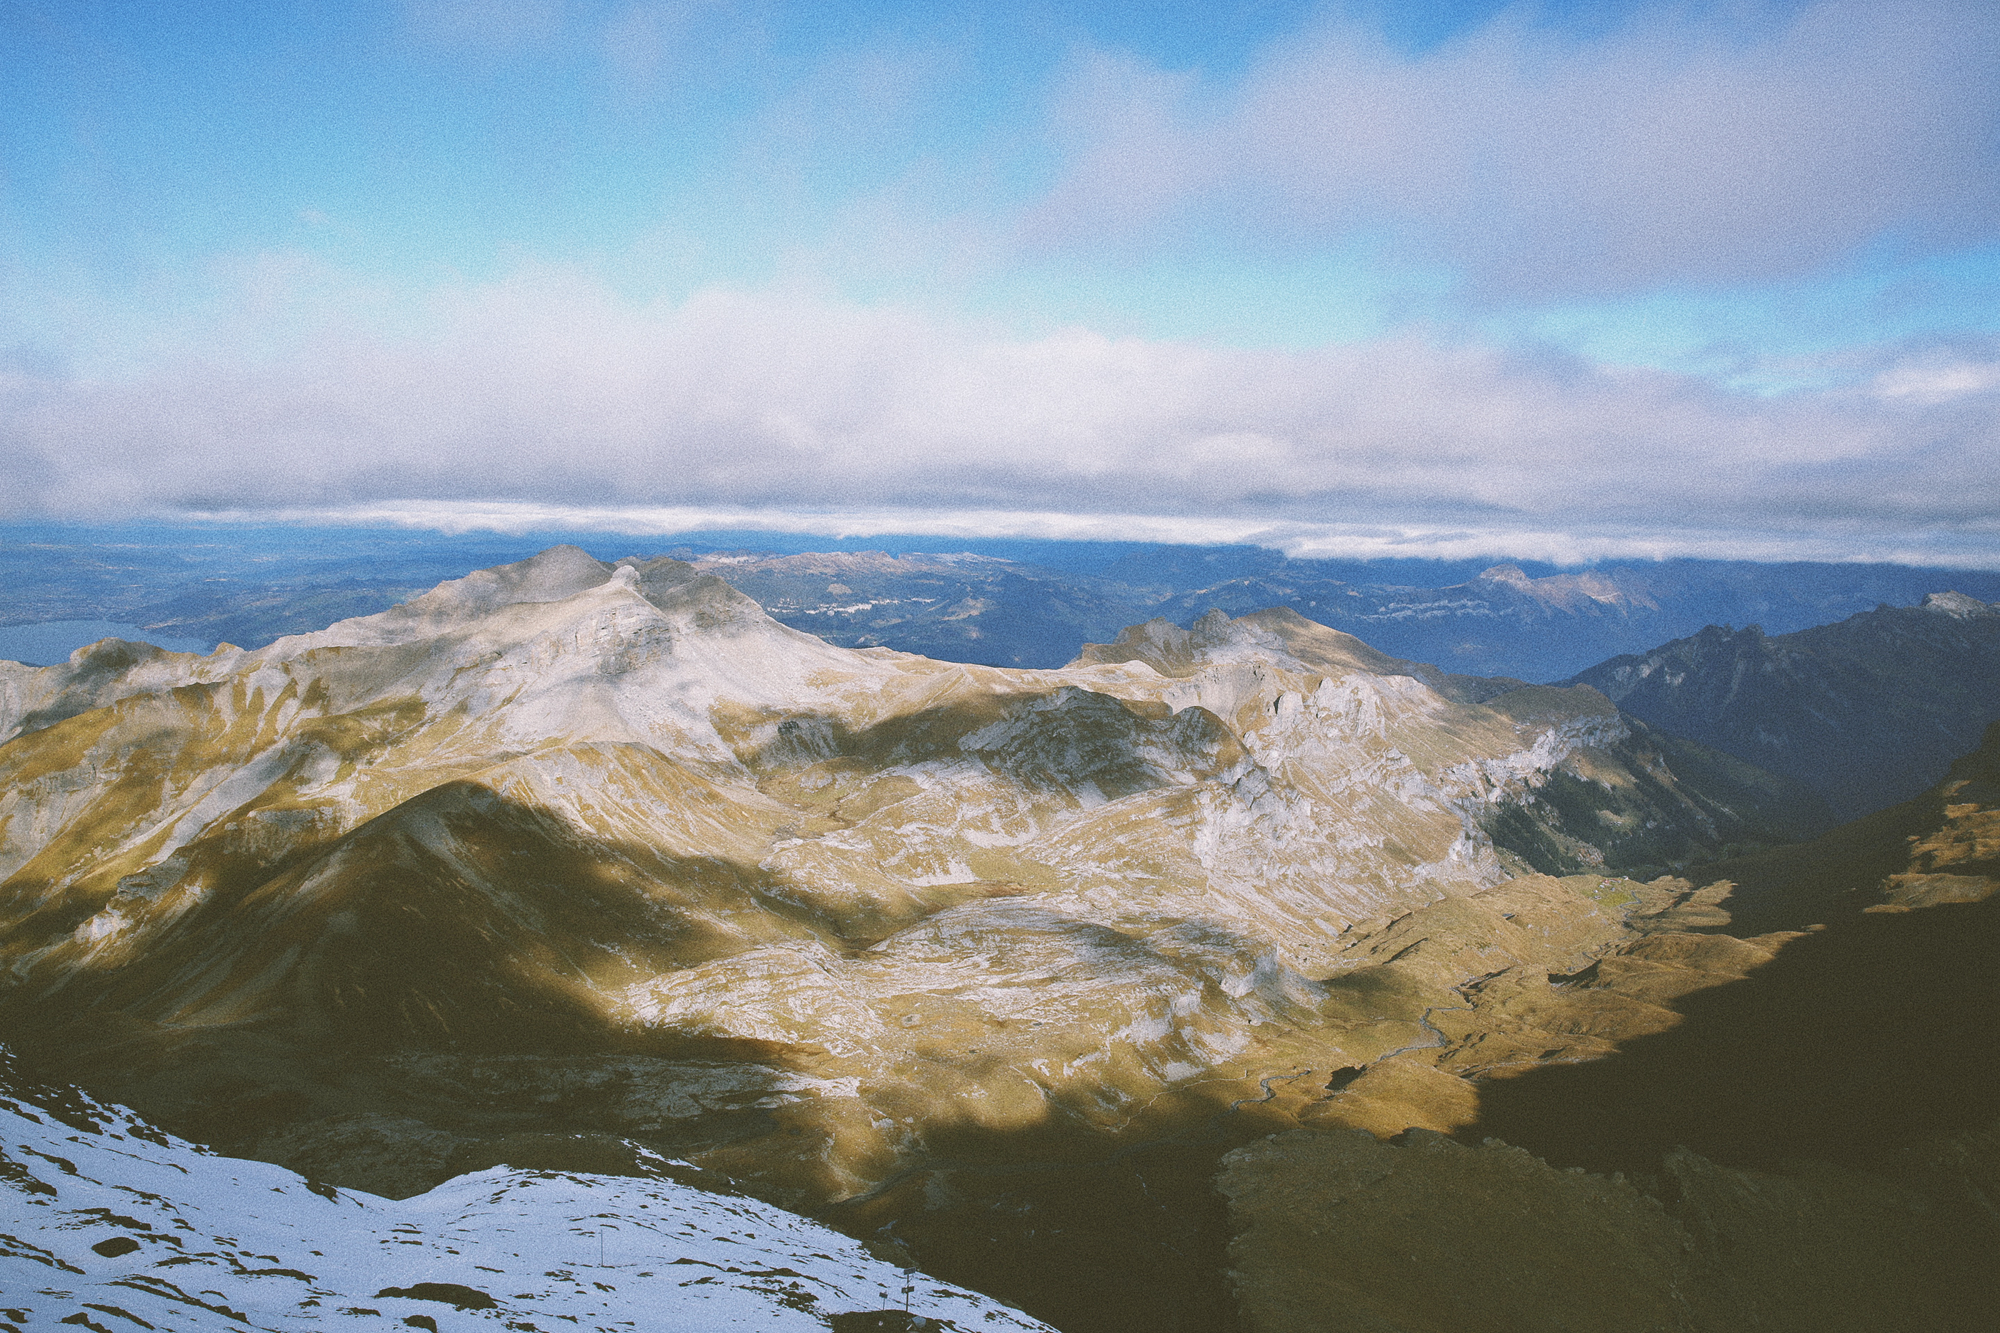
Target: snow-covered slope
x,y
106,1223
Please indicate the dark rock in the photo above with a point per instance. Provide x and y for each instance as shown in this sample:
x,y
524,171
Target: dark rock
x,y
884,1321
450,1293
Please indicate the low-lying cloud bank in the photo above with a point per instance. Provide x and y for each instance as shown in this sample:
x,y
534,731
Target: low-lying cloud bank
x,y
1342,541
547,396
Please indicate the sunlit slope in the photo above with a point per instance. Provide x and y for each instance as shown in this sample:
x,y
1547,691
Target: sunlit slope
x,y
561,805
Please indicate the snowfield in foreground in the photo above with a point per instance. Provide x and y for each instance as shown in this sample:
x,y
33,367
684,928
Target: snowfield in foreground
x,y
108,1224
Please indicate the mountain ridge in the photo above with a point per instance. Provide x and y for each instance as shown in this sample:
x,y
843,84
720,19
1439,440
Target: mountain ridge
x,y
1869,711
573,862
647,737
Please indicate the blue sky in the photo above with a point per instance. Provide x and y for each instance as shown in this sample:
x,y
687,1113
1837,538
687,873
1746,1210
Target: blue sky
x,y
1553,281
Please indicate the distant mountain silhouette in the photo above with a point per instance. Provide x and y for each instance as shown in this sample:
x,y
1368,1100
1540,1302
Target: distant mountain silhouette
x,y
995,603
1867,712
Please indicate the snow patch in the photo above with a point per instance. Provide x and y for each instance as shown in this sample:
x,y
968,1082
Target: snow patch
x,y
108,1221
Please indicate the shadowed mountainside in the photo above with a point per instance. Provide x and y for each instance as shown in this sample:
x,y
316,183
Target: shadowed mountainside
x,y
1866,712
1801,1130
1940,847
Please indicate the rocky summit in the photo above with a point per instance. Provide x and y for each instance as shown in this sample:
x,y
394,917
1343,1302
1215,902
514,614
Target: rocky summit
x,y
586,866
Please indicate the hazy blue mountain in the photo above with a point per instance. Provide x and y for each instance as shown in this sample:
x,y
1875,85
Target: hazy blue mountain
x,y
957,607
1868,711
995,603
1502,620
1542,624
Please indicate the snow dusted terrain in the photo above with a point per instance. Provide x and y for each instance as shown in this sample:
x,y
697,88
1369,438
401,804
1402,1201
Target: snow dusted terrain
x,y
108,1224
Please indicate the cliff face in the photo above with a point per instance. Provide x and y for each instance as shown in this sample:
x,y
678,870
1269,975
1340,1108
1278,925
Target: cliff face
x,y
1867,712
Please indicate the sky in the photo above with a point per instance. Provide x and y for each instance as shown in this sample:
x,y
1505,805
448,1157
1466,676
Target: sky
x,y
1563,282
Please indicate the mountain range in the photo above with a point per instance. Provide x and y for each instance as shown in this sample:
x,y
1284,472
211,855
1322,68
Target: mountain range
x,y
596,867
1013,603
1868,712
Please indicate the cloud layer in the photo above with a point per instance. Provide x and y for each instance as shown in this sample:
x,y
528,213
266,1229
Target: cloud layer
x,y
1666,150
1518,170
548,392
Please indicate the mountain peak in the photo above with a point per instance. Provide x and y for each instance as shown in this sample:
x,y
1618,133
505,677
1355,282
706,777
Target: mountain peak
x,y
1957,605
548,576
1278,635
552,575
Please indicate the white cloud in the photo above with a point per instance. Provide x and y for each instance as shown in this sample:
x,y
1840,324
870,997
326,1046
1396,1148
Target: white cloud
x,y
1682,146
547,392
1970,548
1938,382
